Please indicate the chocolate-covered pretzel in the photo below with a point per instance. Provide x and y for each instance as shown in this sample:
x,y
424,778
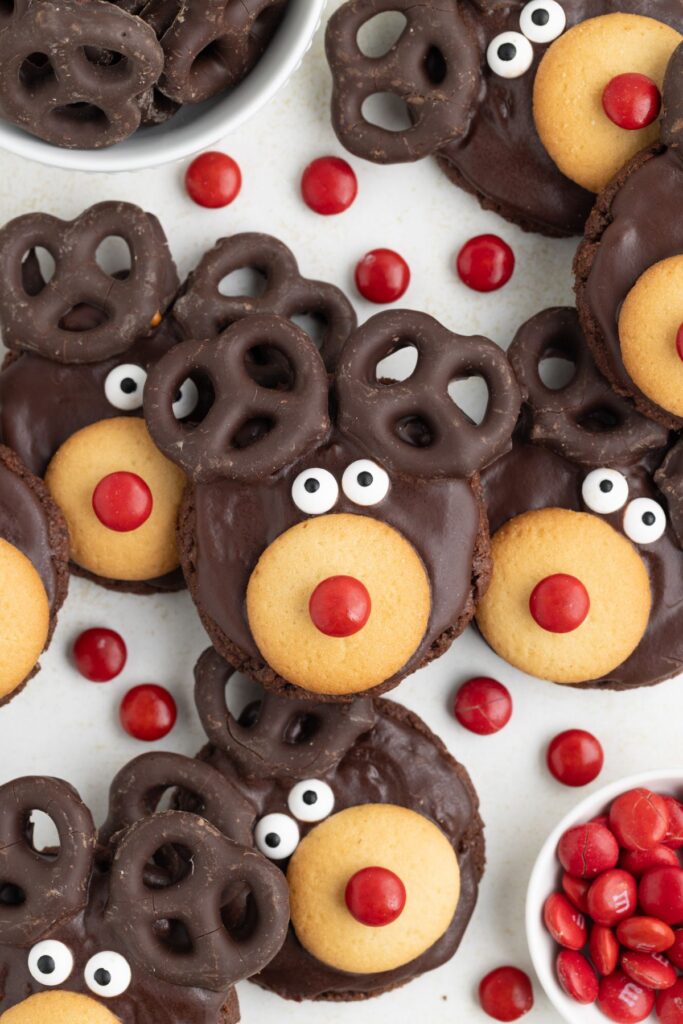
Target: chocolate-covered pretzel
x,y
287,495
203,311
669,478
72,71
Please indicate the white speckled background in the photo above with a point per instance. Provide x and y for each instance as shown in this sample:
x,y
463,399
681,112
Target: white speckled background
x,y
65,726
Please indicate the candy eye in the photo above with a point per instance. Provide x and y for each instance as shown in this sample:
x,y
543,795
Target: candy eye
x,y
605,491
186,399
277,836
541,21
107,974
50,962
311,800
124,387
365,483
644,521
510,55
315,491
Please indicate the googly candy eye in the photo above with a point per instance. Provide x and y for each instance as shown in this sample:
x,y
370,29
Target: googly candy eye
x,y
277,836
365,483
644,521
510,55
605,491
186,400
50,962
311,800
124,387
108,974
541,21
315,491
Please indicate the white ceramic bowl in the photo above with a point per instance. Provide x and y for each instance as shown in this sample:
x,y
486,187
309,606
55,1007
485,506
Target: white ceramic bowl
x,y
545,879
194,127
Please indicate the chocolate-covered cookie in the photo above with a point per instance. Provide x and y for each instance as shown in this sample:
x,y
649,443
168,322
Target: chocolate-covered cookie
x,y
508,94
333,539
588,570
629,271
81,345
34,567
348,798
115,939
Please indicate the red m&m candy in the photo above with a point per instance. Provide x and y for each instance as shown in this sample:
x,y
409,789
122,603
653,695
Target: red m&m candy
x,y
213,180
639,819
329,185
506,994
632,101
340,606
566,925
122,502
585,851
575,757
661,894
604,949
670,1004
612,897
375,897
559,603
148,712
623,1000
485,263
577,977
382,276
483,706
100,654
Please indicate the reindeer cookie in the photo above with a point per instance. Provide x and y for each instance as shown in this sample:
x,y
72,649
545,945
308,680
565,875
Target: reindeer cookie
x,y
71,390
333,539
118,939
587,580
629,272
509,95
34,567
351,800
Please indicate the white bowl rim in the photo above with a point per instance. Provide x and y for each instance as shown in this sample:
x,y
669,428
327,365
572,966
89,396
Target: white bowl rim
x,y
277,65
583,811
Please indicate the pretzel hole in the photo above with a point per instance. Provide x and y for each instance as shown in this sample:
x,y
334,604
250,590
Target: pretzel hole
x,y
556,372
269,367
435,65
471,396
243,283
414,430
11,895
252,431
42,833
6,9
213,61
314,324
114,257
173,934
82,317
168,866
102,58
399,366
36,71
81,113
37,270
239,912
388,111
379,34
599,420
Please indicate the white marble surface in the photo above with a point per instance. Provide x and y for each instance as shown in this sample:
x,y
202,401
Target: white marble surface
x,y
65,726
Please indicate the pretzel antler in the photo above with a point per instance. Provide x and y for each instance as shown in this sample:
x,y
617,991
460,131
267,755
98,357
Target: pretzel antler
x,y
220,869
414,424
54,886
252,429
440,101
289,737
584,421
672,117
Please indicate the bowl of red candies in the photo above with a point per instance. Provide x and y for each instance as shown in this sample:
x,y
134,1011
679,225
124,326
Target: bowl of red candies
x,y
604,911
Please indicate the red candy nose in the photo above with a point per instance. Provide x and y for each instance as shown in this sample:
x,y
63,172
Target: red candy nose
x,y
559,604
122,502
375,897
340,606
632,101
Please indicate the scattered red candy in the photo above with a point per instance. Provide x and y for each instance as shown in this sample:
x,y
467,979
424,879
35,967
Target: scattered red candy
x,y
674,833
612,897
623,1000
648,969
340,606
576,891
639,819
122,502
645,935
375,897
329,185
485,263
604,949
382,276
213,180
585,851
506,994
100,654
577,977
661,894
675,952
148,712
670,1004
559,603
483,706
566,925
575,757
637,862
632,101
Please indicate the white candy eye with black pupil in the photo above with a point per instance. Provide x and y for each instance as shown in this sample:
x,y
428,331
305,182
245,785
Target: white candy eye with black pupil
x,y
644,521
315,491
510,55
542,21
50,962
186,399
365,483
605,491
311,800
108,974
124,387
277,836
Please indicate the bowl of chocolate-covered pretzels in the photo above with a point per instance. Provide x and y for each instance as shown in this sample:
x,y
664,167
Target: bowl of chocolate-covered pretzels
x,y
118,85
